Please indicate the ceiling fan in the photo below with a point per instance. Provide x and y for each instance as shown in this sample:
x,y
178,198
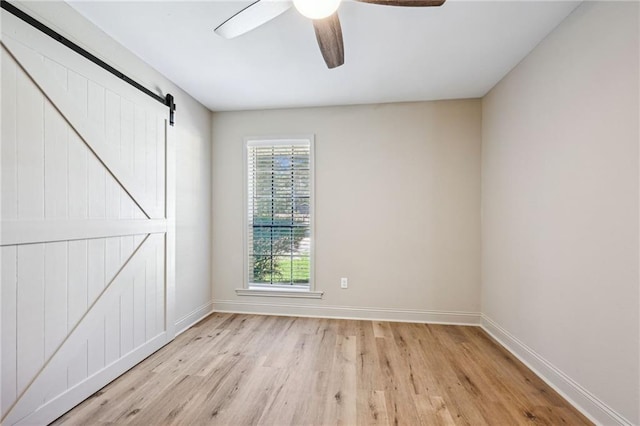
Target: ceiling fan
x,y
324,14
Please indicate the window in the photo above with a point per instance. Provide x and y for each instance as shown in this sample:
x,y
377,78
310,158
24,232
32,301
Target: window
x,y
279,195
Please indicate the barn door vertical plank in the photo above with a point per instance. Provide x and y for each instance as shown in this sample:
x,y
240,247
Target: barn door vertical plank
x,y
112,135
111,258
8,258
77,282
161,149
96,106
78,304
161,323
96,271
126,248
139,307
95,351
56,156
112,318
126,155
151,298
95,268
58,71
30,150
8,172
151,160
139,144
112,197
78,152
112,121
77,90
56,326
55,330
112,335
55,150
96,171
30,310
126,318
97,189
78,189
126,133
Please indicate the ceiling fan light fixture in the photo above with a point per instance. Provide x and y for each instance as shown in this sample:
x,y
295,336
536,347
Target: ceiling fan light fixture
x,y
316,9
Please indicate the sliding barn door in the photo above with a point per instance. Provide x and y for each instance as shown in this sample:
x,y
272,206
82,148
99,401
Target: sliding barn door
x,y
86,227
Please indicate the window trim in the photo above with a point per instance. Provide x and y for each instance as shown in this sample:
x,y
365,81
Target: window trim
x,y
274,290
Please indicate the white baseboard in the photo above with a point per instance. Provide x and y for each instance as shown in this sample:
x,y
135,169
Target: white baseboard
x,y
347,312
587,403
193,317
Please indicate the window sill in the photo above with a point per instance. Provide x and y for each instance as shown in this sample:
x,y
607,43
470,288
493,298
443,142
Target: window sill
x,y
279,292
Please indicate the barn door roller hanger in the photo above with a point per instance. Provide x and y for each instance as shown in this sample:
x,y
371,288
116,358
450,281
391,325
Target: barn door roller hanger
x,y
167,100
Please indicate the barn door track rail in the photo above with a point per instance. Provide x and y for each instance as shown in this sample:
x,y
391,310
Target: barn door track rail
x,y
167,100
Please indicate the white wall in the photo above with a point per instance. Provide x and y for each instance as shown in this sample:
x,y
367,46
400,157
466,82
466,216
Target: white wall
x,y
193,145
397,208
560,205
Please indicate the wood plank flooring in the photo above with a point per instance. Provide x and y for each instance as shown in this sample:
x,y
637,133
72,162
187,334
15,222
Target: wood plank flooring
x,y
233,369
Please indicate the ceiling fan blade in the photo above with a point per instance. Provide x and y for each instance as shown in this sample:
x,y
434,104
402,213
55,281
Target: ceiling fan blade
x,y
329,36
251,17
406,3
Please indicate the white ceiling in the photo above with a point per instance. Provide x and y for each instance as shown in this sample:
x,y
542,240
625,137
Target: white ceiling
x,y
460,50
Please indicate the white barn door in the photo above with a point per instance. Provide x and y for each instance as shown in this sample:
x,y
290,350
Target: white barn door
x,y
86,231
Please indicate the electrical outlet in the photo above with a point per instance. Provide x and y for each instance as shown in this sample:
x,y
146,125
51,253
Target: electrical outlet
x,y
344,283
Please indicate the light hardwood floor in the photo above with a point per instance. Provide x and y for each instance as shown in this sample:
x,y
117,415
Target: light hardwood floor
x,y
235,369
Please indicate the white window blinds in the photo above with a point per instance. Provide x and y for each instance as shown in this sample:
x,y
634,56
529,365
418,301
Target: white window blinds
x,y
279,212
